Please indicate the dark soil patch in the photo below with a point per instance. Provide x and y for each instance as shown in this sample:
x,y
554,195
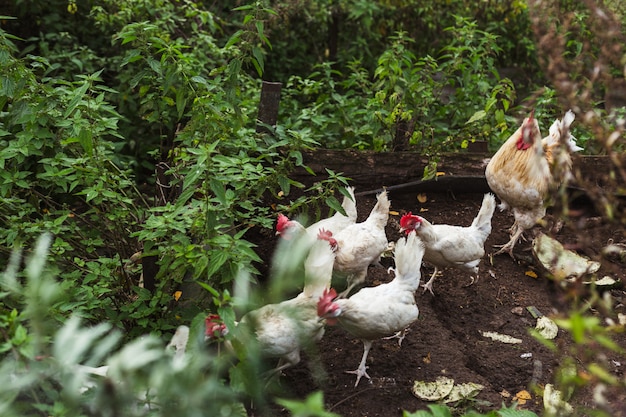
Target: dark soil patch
x,y
446,339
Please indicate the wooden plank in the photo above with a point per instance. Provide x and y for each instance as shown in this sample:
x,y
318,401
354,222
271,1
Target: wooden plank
x,y
403,171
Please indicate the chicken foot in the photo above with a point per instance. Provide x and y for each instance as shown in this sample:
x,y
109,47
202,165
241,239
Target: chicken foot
x,y
429,285
508,247
362,369
400,336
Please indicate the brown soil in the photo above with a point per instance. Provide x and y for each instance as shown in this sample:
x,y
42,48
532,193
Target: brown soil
x,y
446,339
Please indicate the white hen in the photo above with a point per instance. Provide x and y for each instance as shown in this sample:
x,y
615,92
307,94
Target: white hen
x,y
453,246
376,312
361,244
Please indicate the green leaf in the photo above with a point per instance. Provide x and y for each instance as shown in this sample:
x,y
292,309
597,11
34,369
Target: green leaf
x,y
219,190
333,203
479,115
312,406
86,141
258,60
217,259
233,39
77,96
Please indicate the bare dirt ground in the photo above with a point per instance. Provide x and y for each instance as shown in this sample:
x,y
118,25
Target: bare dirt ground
x,y
446,339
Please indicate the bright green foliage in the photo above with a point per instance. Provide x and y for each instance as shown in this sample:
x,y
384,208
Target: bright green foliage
x,y
62,171
447,101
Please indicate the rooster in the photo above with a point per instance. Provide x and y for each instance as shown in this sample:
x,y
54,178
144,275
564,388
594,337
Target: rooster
x,y
283,329
385,310
520,173
453,246
361,244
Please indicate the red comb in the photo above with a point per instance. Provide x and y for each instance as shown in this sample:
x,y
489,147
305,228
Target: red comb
x,y
327,297
281,223
404,219
213,325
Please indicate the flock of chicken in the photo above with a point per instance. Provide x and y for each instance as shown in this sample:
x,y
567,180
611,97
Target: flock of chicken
x,y
523,174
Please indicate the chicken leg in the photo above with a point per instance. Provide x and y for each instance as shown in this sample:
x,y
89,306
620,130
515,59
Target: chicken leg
x,y
362,369
429,285
508,247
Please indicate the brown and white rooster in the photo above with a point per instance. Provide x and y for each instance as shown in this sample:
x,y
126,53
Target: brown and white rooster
x,y
520,175
376,312
453,246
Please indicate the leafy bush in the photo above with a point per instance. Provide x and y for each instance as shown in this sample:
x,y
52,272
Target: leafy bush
x,y
429,104
62,173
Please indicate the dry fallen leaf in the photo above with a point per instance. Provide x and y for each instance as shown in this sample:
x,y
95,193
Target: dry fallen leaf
x,y
463,391
553,402
547,328
433,391
531,274
426,358
421,197
504,338
423,209
522,396
560,262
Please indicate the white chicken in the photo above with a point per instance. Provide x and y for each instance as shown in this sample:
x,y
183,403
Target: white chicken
x,y
453,246
361,244
283,329
376,312
520,173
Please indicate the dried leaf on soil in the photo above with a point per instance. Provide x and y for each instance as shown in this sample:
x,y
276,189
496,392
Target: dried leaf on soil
x,y
435,390
560,262
504,338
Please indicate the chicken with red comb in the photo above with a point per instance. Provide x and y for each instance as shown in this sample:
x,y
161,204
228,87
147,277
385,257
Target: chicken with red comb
x,y
453,246
520,173
385,310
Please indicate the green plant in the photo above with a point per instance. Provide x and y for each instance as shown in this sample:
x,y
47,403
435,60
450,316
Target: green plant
x,y
436,410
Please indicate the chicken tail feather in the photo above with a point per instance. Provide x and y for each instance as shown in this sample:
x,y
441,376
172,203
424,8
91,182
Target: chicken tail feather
x,y
482,221
408,258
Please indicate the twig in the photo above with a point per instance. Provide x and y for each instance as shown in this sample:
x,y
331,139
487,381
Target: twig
x,y
350,396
